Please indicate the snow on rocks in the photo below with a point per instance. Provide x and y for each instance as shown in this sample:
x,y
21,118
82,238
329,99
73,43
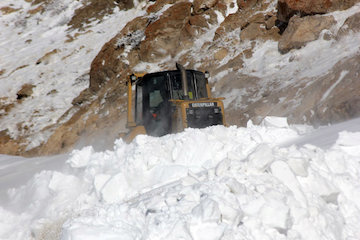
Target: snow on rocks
x,y
213,183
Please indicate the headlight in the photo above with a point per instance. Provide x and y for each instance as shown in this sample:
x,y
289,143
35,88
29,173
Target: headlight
x,y
133,78
207,74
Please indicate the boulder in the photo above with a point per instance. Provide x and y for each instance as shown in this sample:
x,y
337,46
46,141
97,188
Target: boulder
x,y
221,54
231,23
303,30
288,8
252,26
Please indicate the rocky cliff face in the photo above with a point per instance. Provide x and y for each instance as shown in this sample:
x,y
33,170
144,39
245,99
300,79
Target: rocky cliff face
x,y
258,54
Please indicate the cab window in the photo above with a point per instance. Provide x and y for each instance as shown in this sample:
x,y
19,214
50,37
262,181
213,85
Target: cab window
x,y
200,82
154,92
177,88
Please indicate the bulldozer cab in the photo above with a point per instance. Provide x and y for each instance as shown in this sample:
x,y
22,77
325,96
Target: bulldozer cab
x,y
169,101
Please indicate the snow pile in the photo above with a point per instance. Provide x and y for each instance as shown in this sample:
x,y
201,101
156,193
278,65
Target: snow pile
x,y
214,183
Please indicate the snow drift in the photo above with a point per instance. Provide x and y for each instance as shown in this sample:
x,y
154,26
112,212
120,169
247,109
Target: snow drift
x,y
214,183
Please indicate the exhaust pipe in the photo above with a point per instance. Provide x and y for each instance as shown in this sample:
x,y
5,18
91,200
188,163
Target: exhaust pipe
x,y
184,80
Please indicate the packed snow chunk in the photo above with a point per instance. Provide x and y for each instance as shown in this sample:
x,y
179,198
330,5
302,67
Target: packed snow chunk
x,y
253,207
298,160
348,139
206,231
222,167
235,187
91,232
99,182
278,122
205,221
115,189
261,157
207,211
164,174
179,231
81,158
275,214
7,221
349,142
283,172
64,189
230,214
299,166
321,186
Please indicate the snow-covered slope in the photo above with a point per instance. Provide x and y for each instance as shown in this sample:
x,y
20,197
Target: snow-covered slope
x,y
39,48
215,183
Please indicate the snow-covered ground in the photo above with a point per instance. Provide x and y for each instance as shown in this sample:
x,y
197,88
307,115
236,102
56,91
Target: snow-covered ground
x,y
260,182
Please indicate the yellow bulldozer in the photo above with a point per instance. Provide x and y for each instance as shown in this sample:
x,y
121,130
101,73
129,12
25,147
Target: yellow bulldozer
x,y
170,101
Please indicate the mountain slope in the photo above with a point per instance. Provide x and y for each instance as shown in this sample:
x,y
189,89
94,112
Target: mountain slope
x,y
47,108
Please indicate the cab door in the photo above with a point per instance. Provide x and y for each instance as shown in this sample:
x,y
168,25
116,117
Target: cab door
x,y
156,107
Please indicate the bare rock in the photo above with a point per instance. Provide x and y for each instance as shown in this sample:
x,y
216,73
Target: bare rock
x,y
84,97
339,102
164,36
253,31
199,21
253,26
25,91
8,10
47,57
202,5
245,4
221,54
260,26
303,30
350,25
158,5
109,63
8,145
97,9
